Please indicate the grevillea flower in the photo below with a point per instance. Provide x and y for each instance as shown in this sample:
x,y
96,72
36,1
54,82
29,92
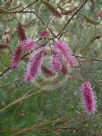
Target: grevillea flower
x,y
34,66
28,45
16,57
21,32
44,34
67,53
56,62
88,97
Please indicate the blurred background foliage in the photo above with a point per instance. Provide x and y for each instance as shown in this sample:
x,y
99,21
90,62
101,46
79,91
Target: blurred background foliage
x,y
57,112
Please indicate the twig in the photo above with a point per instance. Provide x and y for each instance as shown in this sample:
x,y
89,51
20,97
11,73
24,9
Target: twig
x,y
19,100
60,34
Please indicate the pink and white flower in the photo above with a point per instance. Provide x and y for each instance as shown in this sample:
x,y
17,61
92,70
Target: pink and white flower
x,y
88,97
28,45
56,62
34,66
67,53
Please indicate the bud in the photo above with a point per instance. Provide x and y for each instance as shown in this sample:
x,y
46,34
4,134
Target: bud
x,y
16,57
21,32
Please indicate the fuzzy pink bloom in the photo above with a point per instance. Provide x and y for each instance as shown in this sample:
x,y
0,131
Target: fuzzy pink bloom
x,y
67,53
28,45
34,66
44,34
56,62
16,57
88,97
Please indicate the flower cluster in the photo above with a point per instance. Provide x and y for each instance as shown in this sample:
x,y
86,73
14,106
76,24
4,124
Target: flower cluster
x,y
62,58
25,45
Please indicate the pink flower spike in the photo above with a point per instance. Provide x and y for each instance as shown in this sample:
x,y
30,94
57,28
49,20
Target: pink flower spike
x,y
44,34
67,53
88,97
28,45
16,57
34,66
56,62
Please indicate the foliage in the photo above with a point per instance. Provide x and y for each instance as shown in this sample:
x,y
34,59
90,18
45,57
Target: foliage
x,y
48,112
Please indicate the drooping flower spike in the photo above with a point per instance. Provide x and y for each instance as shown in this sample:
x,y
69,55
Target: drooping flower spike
x,y
56,63
28,45
21,32
67,53
88,97
16,58
34,66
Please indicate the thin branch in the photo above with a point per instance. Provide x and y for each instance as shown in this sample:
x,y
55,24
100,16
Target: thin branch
x,y
19,100
29,5
60,34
